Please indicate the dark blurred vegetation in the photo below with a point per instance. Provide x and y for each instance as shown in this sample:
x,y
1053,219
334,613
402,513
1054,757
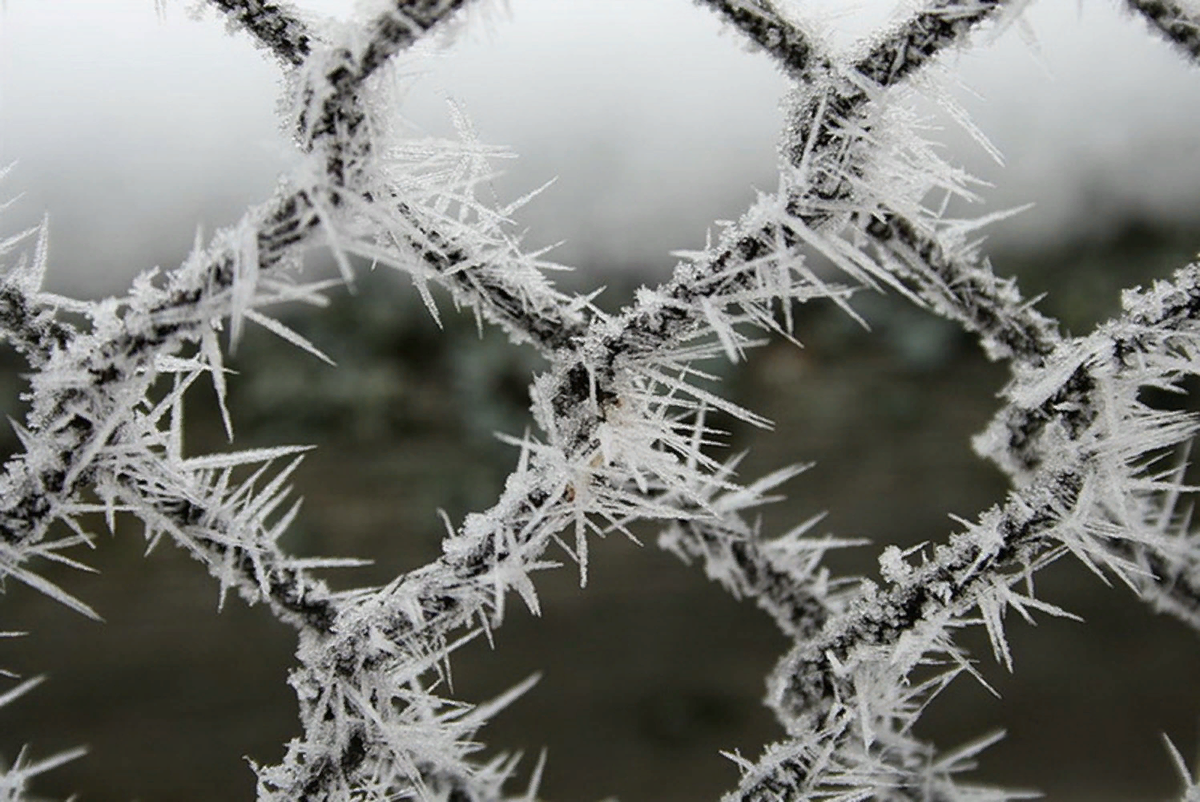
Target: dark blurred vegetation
x,y
650,670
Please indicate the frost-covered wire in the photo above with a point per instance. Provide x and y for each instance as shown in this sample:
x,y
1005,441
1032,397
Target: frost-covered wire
x,y
1175,21
621,421
275,26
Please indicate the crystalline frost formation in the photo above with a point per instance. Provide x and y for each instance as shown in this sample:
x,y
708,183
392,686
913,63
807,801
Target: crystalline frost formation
x,y
621,423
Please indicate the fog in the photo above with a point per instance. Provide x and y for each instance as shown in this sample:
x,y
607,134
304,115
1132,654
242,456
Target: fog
x,y
129,128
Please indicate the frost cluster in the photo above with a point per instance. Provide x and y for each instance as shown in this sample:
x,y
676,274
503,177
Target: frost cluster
x,y
621,420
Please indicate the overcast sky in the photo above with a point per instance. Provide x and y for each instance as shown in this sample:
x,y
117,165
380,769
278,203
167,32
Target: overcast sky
x,y
129,128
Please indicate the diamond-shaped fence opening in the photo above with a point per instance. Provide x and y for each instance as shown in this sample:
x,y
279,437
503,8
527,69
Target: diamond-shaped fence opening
x,y
621,421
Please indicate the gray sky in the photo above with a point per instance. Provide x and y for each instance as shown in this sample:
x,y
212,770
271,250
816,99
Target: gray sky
x,y
129,129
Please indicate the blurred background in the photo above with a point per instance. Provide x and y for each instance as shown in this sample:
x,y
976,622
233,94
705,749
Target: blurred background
x,y
130,127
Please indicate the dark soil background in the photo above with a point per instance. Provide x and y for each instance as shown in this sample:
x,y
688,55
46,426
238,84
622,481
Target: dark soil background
x,y
651,670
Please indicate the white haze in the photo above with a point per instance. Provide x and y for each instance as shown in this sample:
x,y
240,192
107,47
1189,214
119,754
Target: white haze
x,y
129,129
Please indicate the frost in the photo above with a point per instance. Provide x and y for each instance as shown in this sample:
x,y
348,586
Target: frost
x,y
1191,785
623,425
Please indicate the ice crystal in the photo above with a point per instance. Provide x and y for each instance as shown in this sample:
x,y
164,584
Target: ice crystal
x,y
622,420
